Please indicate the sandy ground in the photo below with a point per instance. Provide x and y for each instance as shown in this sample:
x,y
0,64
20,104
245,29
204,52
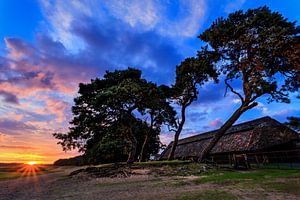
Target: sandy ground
x,y
58,185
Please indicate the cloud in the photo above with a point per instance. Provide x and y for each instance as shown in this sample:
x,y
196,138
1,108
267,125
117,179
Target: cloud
x,y
115,48
142,15
39,79
216,123
136,13
13,127
188,20
234,5
9,97
166,138
17,147
282,115
195,117
210,94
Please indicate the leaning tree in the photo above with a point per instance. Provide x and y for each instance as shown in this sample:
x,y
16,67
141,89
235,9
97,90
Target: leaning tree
x,y
190,74
257,48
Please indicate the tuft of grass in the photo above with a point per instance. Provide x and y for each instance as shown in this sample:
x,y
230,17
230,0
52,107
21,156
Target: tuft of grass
x,y
161,163
9,175
139,183
180,183
206,195
239,176
290,187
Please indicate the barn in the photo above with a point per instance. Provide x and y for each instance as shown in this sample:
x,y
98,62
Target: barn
x,y
261,140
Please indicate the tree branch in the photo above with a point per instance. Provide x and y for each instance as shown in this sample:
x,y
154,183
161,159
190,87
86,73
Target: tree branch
x,y
233,91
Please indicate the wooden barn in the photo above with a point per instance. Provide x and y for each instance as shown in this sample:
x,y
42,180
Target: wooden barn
x,y
261,140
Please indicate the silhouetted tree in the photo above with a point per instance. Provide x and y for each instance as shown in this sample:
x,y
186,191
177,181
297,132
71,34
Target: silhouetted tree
x,y
105,116
191,73
157,112
256,48
293,123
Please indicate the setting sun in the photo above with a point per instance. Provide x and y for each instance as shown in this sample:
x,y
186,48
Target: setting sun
x,y
32,163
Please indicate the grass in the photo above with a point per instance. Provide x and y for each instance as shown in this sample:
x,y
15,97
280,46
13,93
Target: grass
x,y
206,195
161,163
9,175
13,171
140,183
12,175
239,176
290,187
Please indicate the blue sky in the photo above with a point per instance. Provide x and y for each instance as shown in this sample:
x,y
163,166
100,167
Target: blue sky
x,y
48,47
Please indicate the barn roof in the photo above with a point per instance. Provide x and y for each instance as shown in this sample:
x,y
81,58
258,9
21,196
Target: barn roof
x,y
250,136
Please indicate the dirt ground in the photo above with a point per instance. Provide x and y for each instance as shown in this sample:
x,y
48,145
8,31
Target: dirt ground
x,y
58,185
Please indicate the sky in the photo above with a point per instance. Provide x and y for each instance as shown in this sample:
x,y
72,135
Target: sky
x,y
48,47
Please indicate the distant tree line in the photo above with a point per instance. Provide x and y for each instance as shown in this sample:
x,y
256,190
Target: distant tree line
x,y
119,117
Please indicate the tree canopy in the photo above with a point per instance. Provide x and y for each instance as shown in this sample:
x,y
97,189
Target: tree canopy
x,y
190,74
109,116
256,48
293,123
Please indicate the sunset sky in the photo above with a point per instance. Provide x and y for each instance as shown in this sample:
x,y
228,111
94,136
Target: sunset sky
x,y
48,47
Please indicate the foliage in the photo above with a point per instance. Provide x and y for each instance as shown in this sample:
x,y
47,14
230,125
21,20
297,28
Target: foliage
x,y
74,161
109,117
115,147
257,49
190,74
255,46
293,123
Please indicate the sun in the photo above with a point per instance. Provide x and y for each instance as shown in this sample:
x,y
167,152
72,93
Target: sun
x,y
31,163
31,168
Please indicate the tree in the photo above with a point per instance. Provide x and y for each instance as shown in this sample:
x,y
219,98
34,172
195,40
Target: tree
x,y
157,112
256,48
105,115
115,147
191,73
293,123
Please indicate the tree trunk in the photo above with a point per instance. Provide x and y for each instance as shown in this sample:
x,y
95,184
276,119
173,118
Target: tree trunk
x,y
131,155
243,108
141,159
177,133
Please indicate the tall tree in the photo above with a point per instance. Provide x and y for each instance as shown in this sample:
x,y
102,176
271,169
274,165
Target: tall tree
x,y
108,106
157,112
190,74
256,48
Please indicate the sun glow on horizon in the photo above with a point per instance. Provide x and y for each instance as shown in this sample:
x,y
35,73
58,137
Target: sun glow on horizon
x,y
31,163
31,168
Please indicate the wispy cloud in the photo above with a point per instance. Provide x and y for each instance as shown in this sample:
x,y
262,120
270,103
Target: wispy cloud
x,y
234,5
17,147
9,97
13,127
